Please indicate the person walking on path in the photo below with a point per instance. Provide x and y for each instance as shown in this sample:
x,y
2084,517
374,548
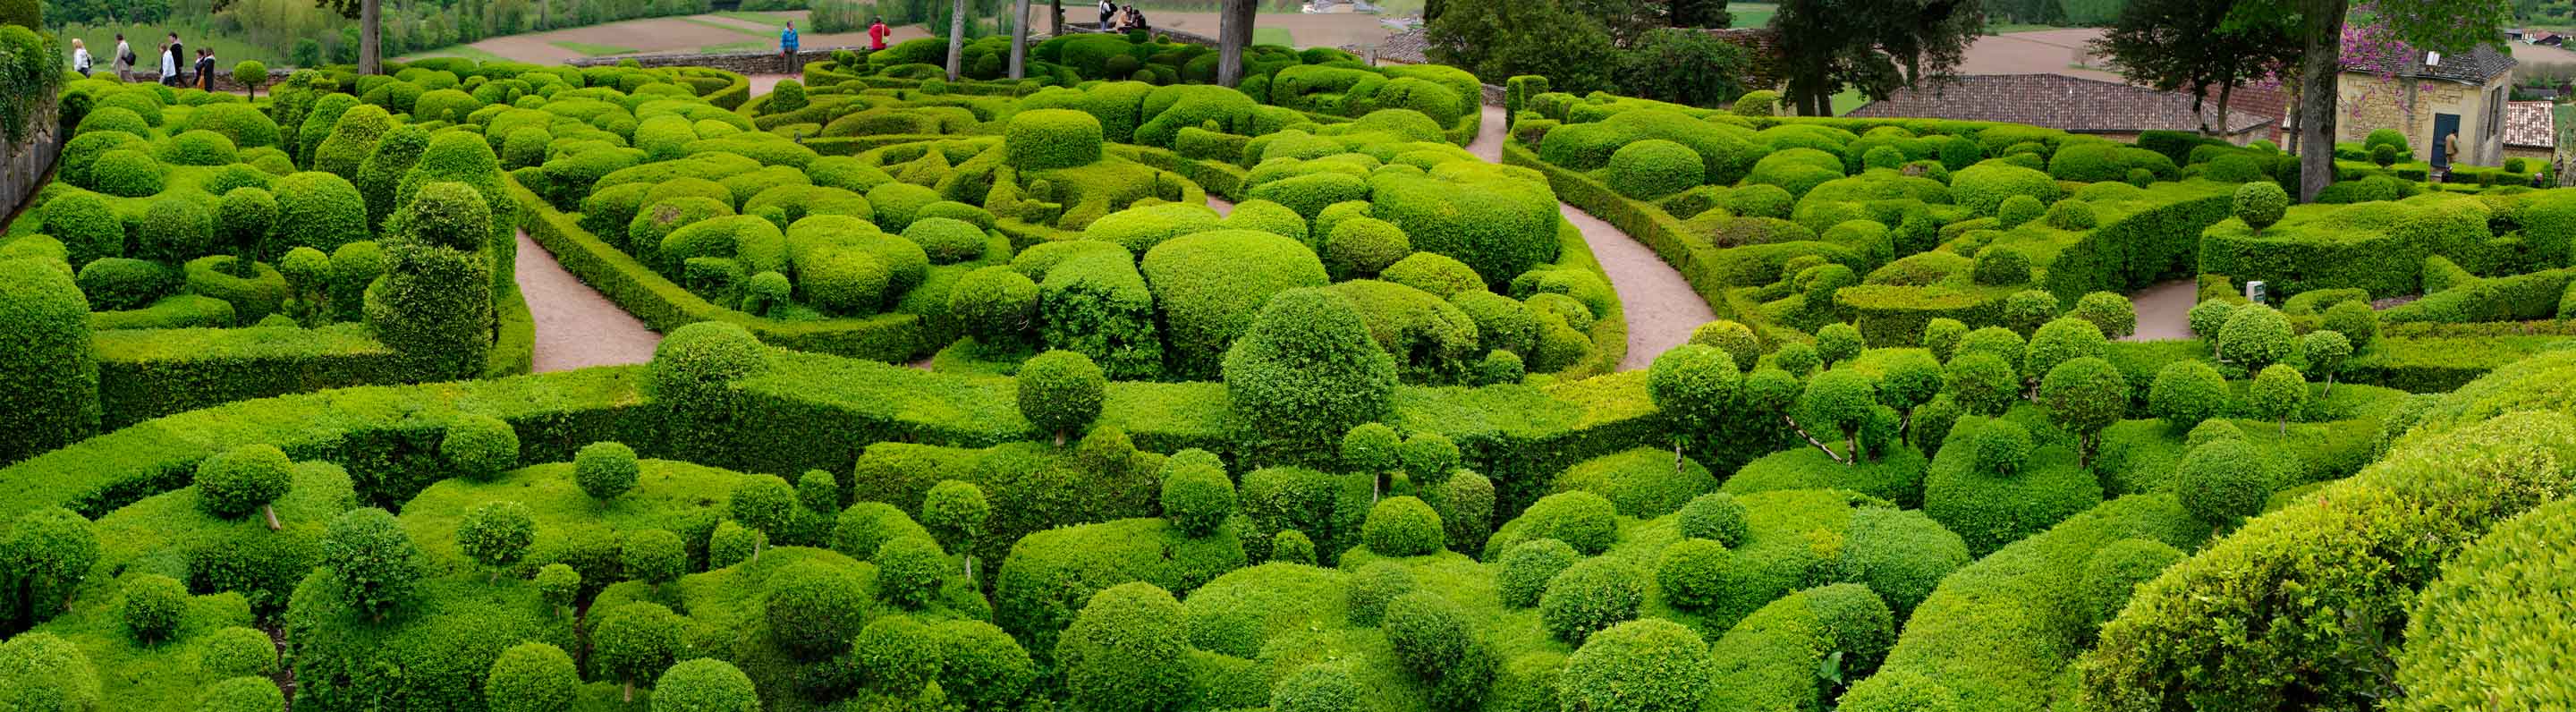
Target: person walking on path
x,y
80,57
124,59
172,60
787,46
206,69
877,34
1107,9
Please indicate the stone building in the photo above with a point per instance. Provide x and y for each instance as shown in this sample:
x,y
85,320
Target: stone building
x,y
2429,96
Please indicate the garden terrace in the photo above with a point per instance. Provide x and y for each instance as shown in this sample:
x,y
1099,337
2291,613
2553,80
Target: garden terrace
x,y
1110,389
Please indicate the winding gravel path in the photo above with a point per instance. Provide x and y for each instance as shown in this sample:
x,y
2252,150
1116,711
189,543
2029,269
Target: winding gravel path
x,y
577,327
2164,310
1662,309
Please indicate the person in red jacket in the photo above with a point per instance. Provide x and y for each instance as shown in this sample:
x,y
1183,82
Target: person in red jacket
x,y
877,34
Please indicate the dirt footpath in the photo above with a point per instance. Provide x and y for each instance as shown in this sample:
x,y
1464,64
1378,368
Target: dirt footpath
x,y
576,326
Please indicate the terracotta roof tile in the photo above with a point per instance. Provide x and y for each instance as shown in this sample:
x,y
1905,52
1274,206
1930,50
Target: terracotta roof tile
x,y
2055,101
2479,66
2530,124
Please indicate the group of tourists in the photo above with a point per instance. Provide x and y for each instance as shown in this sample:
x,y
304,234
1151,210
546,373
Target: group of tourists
x,y
173,59
1121,18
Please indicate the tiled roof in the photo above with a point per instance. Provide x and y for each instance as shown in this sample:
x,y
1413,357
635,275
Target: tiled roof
x,y
2479,66
2054,101
2530,124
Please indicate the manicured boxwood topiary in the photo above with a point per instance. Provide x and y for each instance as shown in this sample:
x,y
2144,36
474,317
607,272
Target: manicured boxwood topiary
x,y
1126,651
2001,266
237,652
895,655
2355,320
1197,495
811,609
704,685
127,173
2278,393
246,478
1042,139
1317,688
2186,393
532,677
1306,371
1591,595
1693,573
1374,586
1402,526
1651,665
376,563
2002,446
2223,481
947,240
605,470
1293,547
1715,517
2112,313
242,694
480,447
1584,520
152,606
48,370
2261,203
1060,392
2117,569
1653,168
2255,336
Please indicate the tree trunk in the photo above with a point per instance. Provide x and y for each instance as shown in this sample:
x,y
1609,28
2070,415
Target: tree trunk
x,y
1852,441
1055,18
370,32
271,511
2224,89
957,41
2320,67
1233,32
1019,39
1811,439
629,693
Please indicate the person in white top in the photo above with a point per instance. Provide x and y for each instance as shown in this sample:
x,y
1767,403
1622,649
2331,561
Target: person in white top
x,y
80,57
169,66
1107,9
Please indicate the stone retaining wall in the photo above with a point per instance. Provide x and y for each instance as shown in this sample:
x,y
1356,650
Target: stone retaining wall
x,y
29,163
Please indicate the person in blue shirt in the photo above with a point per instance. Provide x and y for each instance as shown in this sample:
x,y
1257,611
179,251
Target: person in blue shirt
x,y
787,46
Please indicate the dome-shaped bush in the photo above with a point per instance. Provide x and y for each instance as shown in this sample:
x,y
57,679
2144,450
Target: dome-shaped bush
x,y
117,283
1307,370
996,304
1197,495
199,148
2117,569
1041,139
2018,209
1716,517
152,606
2261,203
1438,274
2002,446
844,281
119,119
1373,587
323,211
605,470
1692,574
1652,665
704,685
1653,168
1592,594
2186,393
1125,651
1362,246
237,651
244,479
242,694
2223,480
693,363
127,173
532,677
1317,688
947,240
1527,568
1061,392
51,397
480,447
2256,336
1293,547
811,610
1402,526
2358,323
176,230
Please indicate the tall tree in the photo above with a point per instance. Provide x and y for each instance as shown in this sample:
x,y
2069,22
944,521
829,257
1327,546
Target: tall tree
x,y
1233,33
1876,46
957,40
2193,45
2448,26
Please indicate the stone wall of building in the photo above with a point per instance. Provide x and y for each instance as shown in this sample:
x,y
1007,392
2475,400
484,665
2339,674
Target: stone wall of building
x,y
2371,103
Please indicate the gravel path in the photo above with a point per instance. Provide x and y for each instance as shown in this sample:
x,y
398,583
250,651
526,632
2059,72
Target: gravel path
x,y
1662,309
2164,310
576,326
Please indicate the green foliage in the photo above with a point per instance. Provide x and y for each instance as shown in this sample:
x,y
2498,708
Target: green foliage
x,y
762,503
1197,495
2469,613
1375,586
1737,340
152,607
1589,596
910,571
654,556
2113,314
2084,395
2355,320
1061,392
1650,665
42,671
236,652
374,561
2001,266
1042,139
2278,392
1210,286
2255,336
2002,446
1586,521
812,611
1306,371
1402,526
1293,547
955,512
532,677
243,694
2261,203
1125,652
2117,569
2186,393
243,480
605,469
480,447
1652,169
635,641
496,534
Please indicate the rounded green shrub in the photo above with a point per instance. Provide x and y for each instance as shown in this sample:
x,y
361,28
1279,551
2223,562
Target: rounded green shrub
x,y
322,211
1374,586
1653,168
997,305
176,230
127,173
2000,266
240,694
1061,392
199,148
1589,596
2062,340
1435,273
2261,203
1306,370
1293,547
2278,393
1402,526
496,534
480,447
1317,688
243,219
844,281
2112,313
87,226
2084,395
811,610
2117,569
895,655
704,685
2223,480
1693,573
654,556
1584,520
1042,139
376,563
693,364
243,480
2255,336
532,677
236,652
1210,286
2186,393
1428,459
910,570
1651,665
947,240
41,671
605,470
1197,495
2002,446
1528,567
634,641
731,543
1716,517
2017,210
2357,322
1126,651
152,606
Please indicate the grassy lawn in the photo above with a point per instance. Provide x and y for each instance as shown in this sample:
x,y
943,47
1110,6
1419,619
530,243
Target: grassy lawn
x,y
144,38
2006,29
1273,35
594,50
756,16
734,28
466,51
1752,14
1848,100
